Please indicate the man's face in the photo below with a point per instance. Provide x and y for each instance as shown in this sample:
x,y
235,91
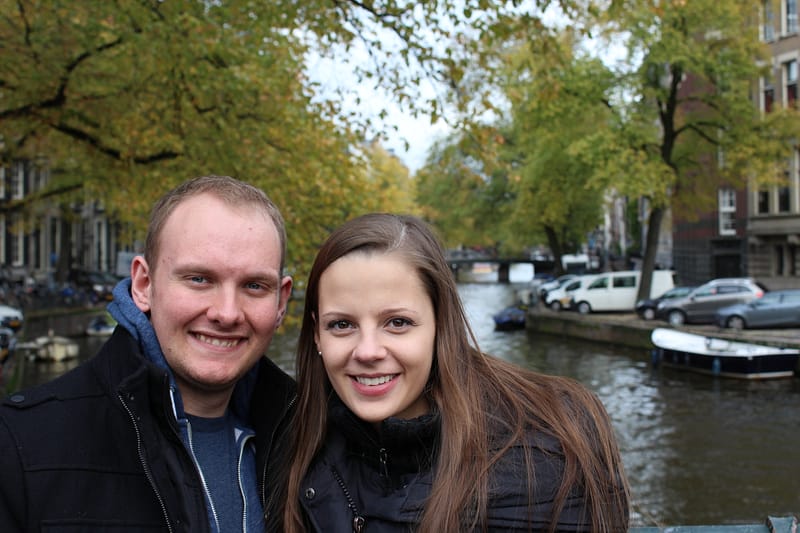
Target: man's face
x,y
215,296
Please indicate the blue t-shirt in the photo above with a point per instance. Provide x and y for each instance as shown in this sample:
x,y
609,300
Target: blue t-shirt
x,y
214,446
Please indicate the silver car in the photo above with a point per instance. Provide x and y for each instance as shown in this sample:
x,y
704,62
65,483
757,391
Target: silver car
x,y
701,304
776,309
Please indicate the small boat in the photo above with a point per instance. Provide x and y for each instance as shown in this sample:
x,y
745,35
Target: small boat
x,y
101,326
50,347
510,318
722,357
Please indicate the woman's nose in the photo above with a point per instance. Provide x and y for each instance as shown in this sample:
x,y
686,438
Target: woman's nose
x,y
369,347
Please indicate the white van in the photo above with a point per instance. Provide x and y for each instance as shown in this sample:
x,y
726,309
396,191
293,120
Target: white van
x,y
616,291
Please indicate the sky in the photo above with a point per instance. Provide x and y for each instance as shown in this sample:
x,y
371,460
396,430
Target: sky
x,y
399,126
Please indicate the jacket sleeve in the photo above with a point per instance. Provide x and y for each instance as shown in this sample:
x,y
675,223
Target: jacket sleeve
x,y
12,484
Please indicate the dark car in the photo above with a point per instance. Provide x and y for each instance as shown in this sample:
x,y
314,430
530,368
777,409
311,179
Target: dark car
x,y
98,285
702,303
776,309
646,309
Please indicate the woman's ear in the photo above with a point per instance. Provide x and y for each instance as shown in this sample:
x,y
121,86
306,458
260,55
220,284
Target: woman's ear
x,y
316,332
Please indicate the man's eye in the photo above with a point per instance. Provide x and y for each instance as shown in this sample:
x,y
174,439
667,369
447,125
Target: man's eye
x,y
198,279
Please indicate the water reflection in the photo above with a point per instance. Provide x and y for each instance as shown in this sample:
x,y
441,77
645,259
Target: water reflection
x,y
697,449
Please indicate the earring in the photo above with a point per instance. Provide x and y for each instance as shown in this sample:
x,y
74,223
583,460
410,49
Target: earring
x,y
319,353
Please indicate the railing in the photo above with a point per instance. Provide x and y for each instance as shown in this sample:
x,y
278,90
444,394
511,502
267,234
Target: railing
x,y
787,524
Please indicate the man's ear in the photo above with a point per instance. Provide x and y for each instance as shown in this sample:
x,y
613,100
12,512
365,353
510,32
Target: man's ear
x,y
285,293
141,283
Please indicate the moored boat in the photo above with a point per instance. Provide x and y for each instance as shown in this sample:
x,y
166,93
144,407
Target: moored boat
x,y
510,318
722,357
50,347
101,326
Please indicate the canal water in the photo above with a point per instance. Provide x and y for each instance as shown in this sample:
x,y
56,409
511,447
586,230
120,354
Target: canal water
x,y
697,449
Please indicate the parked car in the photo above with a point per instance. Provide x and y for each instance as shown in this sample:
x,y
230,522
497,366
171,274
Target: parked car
x,y
776,309
555,284
99,285
646,309
616,291
530,294
11,317
561,298
701,304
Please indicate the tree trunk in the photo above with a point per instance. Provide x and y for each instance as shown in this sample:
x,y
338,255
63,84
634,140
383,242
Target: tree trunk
x,y
64,252
555,247
651,247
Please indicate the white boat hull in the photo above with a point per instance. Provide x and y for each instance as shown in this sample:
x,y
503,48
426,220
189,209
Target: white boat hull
x,y
723,357
51,348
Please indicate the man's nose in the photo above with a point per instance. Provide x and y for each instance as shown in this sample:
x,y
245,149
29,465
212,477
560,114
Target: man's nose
x,y
226,306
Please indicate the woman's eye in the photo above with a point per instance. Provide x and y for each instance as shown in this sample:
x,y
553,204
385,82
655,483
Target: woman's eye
x,y
399,322
338,324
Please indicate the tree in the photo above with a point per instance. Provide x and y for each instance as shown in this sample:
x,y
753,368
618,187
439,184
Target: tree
x,y
689,125
460,195
558,99
394,186
124,99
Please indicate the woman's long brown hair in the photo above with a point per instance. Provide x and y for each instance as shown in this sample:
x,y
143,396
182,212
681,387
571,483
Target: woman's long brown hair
x,y
472,391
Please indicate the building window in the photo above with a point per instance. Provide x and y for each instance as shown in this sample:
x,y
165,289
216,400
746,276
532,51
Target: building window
x,y
791,16
790,75
784,200
17,184
779,260
16,242
768,27
727,212
769,99
763,202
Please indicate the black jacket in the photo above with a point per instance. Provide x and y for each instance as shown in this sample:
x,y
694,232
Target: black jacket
x,y
99,448
383,480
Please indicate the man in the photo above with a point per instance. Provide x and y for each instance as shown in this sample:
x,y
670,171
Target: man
x,y
169,427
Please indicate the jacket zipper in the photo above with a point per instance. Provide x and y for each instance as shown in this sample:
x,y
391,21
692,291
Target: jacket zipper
x,y
359,522
145,467
239,479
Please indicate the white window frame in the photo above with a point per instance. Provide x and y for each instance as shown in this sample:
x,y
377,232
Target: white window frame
x,y
789,74
790,16
767,21
727,211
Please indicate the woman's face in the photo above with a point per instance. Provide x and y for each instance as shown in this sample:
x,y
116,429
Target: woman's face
x,y
376,331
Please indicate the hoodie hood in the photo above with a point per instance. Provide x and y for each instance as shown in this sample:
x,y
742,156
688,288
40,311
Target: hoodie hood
x,y
123,309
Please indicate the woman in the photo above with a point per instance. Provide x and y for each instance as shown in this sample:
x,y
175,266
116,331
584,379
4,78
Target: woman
x,y
403,424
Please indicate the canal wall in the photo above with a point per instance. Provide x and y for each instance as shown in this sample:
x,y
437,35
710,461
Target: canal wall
x,y
627,329
67,322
